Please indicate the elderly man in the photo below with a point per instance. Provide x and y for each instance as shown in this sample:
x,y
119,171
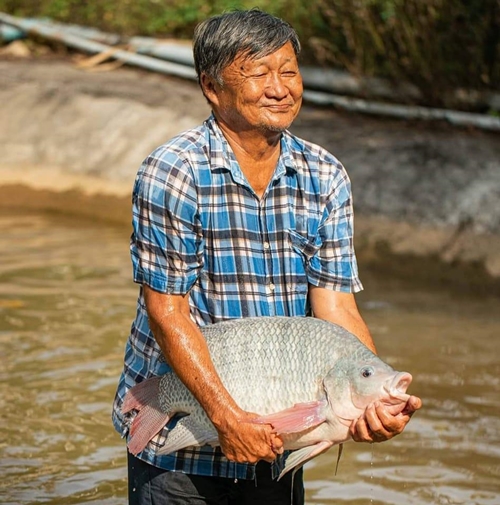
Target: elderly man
x,y
237,218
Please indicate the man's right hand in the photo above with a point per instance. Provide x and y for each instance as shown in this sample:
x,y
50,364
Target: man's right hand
x,y
244,441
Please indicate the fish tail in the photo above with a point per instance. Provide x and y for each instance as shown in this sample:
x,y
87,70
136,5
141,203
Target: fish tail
x,y
150,419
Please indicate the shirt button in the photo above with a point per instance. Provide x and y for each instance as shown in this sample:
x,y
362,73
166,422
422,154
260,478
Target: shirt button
x,y
267,245
271,287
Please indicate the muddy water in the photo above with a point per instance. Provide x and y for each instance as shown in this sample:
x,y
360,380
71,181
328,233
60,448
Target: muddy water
x,y
66,303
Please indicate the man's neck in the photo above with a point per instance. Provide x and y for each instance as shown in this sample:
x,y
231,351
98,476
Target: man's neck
x,y
257,154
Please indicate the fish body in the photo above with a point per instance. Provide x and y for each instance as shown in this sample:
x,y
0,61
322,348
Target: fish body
x,y
306,377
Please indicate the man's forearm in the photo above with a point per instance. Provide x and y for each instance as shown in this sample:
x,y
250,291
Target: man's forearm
x,y
185,350
341,309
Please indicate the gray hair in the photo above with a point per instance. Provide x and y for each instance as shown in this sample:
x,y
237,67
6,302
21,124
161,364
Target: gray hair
x,y
220,39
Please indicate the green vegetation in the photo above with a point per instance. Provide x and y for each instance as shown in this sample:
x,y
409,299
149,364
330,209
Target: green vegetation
x,y
438,45
172,18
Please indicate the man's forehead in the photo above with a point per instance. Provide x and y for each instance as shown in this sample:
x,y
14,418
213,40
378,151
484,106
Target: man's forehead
x,y
247,59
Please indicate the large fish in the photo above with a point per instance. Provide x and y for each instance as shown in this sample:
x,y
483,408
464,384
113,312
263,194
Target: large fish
x,y
306,377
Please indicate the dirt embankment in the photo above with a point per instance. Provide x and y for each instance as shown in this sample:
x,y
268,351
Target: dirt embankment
x,y
427,195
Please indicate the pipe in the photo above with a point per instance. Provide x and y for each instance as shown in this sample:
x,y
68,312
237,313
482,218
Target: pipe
x,y
171,51
403,111
9,33
85,32
89,46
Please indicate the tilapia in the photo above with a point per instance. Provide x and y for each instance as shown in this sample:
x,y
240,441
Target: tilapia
x,y
306,377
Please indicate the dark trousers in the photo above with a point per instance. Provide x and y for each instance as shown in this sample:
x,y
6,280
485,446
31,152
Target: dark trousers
x,y
148,485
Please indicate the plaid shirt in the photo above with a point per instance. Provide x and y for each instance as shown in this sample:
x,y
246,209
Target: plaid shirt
x,y
198,227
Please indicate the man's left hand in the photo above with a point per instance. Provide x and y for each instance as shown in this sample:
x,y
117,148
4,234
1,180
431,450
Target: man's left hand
x,y
378,424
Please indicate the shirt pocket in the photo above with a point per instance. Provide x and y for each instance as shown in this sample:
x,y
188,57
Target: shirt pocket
x,y
303,246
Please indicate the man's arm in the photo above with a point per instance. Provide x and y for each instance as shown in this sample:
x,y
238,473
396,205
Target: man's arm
x,y
340,308
377,425
185,350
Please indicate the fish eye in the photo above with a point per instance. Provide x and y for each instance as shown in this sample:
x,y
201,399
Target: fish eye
x,y
367,371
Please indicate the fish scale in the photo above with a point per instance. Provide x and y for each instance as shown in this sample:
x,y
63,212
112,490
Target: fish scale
x,y
270,355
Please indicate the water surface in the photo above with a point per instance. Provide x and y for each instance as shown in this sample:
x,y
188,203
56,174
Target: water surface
x,y
66,305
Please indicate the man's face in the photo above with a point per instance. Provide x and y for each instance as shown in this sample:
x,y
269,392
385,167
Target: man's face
x,y
262,94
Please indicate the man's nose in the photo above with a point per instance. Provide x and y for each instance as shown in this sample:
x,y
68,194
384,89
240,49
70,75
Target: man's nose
x,y
276,87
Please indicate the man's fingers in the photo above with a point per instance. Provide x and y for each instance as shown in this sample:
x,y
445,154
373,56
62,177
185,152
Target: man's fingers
x,y
250,443
414,403
277,444
378,424
371,427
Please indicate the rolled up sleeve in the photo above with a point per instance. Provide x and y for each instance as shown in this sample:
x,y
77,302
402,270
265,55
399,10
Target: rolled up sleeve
x,y
166,239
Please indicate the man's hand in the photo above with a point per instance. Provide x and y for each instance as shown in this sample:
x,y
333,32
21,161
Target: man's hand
x,y
243,441
378,424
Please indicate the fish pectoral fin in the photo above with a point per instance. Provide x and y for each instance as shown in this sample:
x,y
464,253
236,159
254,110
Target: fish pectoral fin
x,y
301,456
298,418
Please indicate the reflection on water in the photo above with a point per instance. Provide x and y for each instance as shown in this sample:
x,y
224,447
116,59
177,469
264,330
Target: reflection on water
x,y
67,301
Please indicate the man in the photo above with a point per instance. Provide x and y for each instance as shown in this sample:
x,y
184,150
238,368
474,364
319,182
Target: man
x,y
237,218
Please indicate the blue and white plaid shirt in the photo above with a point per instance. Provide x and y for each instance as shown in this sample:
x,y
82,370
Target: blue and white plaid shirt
x,y
198,227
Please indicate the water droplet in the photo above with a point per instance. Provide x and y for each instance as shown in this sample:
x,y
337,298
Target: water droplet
x,y
371,475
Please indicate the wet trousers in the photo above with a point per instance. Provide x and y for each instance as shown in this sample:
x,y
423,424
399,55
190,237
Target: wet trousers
x,y
148,485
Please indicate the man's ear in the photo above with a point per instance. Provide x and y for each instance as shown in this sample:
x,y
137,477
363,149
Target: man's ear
x,y
209,88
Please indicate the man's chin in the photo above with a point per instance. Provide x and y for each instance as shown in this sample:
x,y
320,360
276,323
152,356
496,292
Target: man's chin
x,y
274,127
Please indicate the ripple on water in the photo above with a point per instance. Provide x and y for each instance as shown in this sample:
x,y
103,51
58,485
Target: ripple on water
x,y
460,496
359,492
419,474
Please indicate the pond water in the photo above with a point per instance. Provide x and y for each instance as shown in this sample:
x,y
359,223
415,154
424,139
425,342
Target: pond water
x,y
66,304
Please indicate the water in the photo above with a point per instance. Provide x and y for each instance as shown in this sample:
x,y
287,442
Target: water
x,y
66,304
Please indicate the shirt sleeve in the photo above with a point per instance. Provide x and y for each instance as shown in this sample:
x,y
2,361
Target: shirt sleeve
x,y
334,265
166,240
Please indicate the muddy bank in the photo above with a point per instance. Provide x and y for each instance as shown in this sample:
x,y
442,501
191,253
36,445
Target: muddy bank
x,y
427,195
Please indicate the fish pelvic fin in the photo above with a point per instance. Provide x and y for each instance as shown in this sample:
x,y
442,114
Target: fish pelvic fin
x,y
150,418
341,448
295,419
301,456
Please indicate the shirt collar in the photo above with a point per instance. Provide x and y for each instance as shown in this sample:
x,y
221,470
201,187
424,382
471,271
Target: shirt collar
x,y
222,156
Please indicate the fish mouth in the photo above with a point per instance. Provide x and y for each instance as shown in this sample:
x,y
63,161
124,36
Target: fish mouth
x,y
396,388
391,393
